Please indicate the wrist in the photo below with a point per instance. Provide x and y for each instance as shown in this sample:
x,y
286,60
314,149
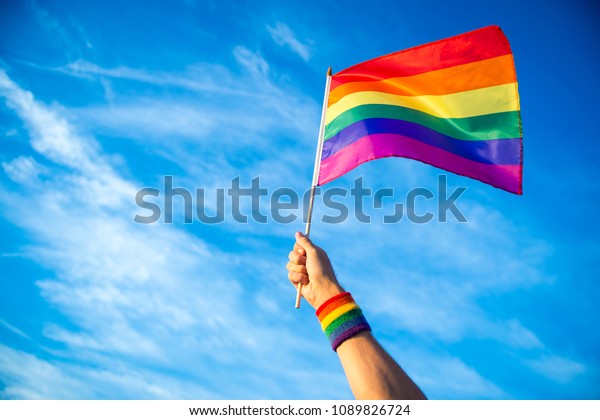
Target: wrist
x,y
341,319
331,289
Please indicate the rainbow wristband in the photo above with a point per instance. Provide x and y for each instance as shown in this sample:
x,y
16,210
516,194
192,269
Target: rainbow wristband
x,y
341,318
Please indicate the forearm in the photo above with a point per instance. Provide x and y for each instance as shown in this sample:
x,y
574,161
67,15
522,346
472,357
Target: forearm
x,y
372,373
370,370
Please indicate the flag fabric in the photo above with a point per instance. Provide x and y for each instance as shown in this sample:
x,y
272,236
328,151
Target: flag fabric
x,y
452,104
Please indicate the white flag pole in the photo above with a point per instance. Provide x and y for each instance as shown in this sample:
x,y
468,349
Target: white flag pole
x,y
317,166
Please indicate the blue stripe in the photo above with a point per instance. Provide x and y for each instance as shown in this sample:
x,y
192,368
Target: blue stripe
x,y
495,152
353,322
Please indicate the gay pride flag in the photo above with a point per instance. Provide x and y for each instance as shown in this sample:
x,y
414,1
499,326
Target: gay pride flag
x,y
452,104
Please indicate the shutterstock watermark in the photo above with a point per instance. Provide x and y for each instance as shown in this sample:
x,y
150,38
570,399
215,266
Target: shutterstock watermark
x,y
284,205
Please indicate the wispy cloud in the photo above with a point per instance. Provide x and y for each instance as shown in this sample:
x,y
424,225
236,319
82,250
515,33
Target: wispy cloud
x,y
23,169
50,134
201,77
127,289
67,380
285,37
443,301
246,112
69,32
252,61
238,108
433,283
446,376
556,368
13,329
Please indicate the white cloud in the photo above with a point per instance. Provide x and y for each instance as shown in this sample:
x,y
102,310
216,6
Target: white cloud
x,y
49,134
444,376
200,77
28,377
460,270
69,33
246,114
17,368
153,120
284,36
23,169
130,289
513,333
252,61
556,368
14,329
243,112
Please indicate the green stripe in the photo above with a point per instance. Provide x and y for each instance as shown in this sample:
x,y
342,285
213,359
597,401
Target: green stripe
x,y
503,125
341,319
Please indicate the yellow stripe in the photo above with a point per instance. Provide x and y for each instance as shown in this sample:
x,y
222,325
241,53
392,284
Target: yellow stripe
x,y
490,100
336,313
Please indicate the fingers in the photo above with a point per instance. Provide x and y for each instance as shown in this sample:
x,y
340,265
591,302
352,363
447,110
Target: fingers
x,y
296,278
304,242
297,258
298,268
299,249
296,265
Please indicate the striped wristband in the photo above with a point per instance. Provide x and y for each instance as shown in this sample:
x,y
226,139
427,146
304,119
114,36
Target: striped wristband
x,y
341,318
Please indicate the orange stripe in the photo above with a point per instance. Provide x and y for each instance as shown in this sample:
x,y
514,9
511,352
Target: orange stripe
x,y
334,305
485,73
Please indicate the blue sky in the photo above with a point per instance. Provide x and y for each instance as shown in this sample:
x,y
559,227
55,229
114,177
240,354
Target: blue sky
x,y
100,99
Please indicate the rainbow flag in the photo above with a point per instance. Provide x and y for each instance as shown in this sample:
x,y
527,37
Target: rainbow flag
x,y
452,104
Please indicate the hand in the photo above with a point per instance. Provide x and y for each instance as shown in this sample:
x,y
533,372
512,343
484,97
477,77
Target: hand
x,y
308,264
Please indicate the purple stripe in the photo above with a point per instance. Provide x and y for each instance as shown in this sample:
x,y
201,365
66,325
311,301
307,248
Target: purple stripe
x,y
349,333
348,323
506,177
499,152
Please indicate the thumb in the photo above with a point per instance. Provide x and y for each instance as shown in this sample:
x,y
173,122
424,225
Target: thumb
x,y
304,242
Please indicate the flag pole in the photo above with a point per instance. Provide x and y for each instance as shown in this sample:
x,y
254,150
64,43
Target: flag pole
x,y
317,166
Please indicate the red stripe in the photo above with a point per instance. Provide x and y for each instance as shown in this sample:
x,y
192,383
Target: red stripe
x,y
477,45
375,146
330,300
332,307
